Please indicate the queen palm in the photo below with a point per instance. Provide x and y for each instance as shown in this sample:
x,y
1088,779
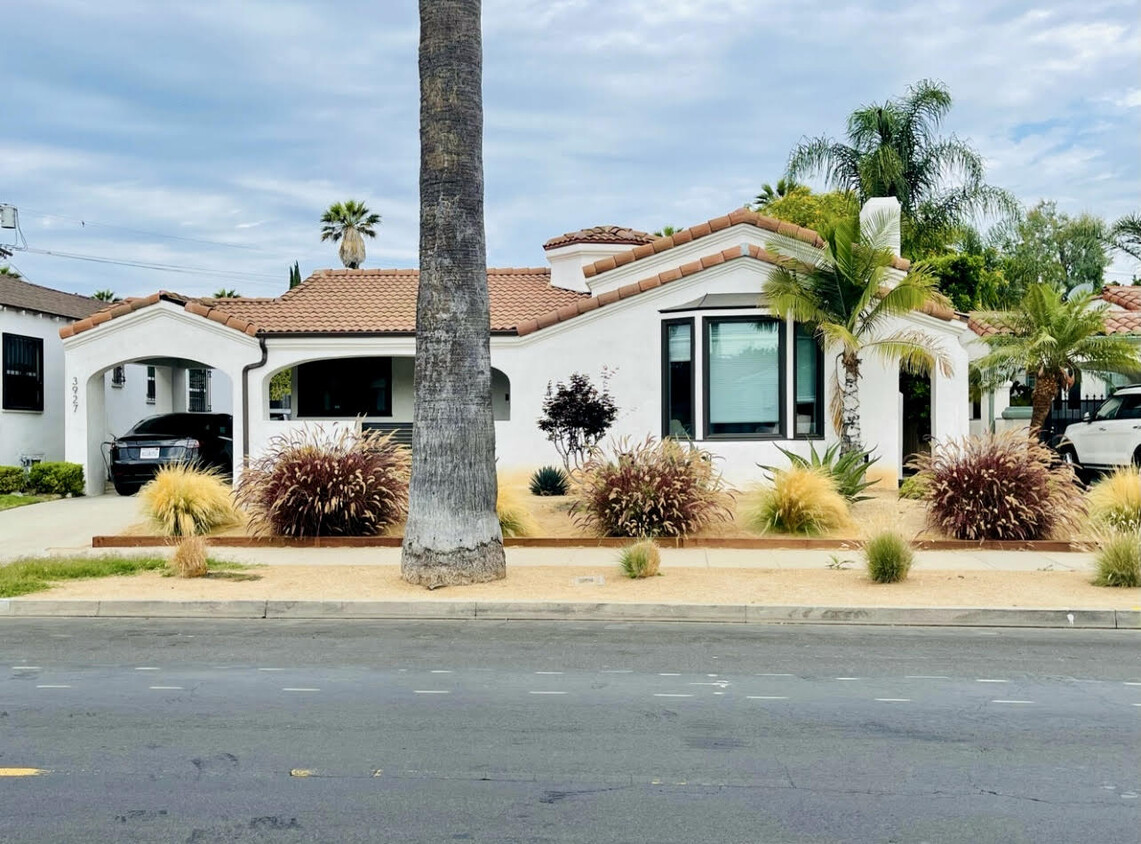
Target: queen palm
x,y
452,535
1126,235
893,149
844,290
349,222
1050,337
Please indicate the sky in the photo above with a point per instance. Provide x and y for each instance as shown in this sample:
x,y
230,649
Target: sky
x,y
209,136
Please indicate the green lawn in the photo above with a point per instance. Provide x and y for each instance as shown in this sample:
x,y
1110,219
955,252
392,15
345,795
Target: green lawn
x,y
35,574
7,502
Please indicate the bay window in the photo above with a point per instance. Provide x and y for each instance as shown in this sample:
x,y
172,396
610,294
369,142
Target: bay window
x,y
677,379
744,377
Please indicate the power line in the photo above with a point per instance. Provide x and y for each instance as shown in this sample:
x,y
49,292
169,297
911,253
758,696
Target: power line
x,y
168,268
84,222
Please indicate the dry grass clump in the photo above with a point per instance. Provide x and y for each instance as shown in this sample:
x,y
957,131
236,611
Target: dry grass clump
x,y
999,486
310,483
888,556
514,517
1115,500
189,558
642,559
649,488
1118,560
800,500
183,500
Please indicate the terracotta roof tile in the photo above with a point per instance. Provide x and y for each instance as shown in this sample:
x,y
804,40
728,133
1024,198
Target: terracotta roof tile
x,y
739,215
600,234
1116,322
1125,296
17,293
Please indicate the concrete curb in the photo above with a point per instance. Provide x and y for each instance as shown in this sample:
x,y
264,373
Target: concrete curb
x,y
555,611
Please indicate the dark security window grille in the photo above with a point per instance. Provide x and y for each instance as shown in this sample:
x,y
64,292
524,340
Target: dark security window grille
x,y
23,373
344,388
677,379
199,383
118,376
150,385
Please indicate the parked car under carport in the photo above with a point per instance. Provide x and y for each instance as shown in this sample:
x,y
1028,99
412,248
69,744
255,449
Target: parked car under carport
x,y
202,439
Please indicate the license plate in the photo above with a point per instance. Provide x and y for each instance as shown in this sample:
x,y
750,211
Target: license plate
x,y
149,453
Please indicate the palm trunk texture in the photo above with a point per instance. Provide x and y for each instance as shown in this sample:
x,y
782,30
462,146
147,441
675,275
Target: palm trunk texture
x,y
851,438
1045,389
452,536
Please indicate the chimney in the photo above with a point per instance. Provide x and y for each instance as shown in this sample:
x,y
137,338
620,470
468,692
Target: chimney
x,y
569,253
881,213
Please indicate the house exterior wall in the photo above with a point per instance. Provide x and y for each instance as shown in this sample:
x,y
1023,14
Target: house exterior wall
x,y
26,434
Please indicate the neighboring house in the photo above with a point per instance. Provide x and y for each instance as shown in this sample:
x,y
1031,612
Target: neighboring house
x,y
35,399
994,411
677,321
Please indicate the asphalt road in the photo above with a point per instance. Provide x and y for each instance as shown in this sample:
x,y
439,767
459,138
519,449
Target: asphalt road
x,y
201,731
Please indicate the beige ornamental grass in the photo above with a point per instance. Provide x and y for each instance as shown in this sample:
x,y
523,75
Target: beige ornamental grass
x,y
184,500
800,500
1115,500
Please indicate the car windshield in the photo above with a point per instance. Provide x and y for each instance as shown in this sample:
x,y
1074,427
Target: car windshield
x,y
174,425
1109,408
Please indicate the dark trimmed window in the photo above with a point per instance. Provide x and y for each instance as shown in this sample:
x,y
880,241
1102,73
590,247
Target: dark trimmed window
x,y
150,385
808,383
198,381
678,418
118,376
344,388
23,373
744,378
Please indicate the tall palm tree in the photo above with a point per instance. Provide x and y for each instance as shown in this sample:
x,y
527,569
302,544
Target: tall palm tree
x,y
843,290
452,535
1051,337
1126,235
893,149
105,295
769,194
349,222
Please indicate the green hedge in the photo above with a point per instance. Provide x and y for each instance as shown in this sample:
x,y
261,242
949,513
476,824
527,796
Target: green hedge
x,y
56,479
12,479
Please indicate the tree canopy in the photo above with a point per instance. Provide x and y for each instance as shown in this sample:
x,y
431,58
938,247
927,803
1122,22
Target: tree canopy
x,y
349,222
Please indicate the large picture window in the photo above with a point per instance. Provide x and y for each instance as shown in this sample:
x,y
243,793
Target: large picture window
x,y
808,386
345,388
23,384
744,377
677,379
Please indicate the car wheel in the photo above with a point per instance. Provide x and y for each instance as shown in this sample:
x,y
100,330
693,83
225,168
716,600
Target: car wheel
x,y
1069,456
126,489
1137,457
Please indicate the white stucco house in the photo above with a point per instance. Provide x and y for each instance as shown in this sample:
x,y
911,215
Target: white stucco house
x,y
678,322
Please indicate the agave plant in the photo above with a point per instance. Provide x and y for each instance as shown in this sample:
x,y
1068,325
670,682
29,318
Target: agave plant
x,y
848,471
549,480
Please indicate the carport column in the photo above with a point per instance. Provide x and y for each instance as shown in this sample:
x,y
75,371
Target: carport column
x,y
164,390
179,389
950,397
239,398
94,430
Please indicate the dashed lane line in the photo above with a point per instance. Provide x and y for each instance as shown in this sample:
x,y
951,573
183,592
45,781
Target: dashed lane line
x,y
53,686
546,693
26,668
166,688
893,699
146,668
431,691
548,672
299,689
664,694
1012,701
21,772
440,671
926,677
985,680
766,697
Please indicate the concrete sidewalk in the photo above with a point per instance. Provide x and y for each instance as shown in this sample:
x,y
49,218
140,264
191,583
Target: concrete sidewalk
x,y
64,526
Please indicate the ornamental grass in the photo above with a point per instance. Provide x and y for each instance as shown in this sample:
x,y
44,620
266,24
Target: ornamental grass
x,y
185,500
799,500
1115,500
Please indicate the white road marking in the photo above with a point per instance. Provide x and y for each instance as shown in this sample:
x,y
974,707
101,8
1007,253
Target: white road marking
x,y
847,678
894,699
1131,683
668,674
774,675
546,693
926,677
548,672
431,692
992,681
299,689
25,668
53,686
767,697
1137,704
271,669
664,694
146,668
617,671
440,671
1012,701
167,688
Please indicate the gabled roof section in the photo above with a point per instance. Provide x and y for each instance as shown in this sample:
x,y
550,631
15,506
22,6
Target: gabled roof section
x,y
1124,296
200,307
17,293
739,216
619,235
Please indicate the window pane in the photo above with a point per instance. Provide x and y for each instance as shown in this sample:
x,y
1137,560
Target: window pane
x,y
679,380
809,384
23,376
744,377
345,388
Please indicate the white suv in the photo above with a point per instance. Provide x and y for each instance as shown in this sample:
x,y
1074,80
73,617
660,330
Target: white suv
x,y
1111,437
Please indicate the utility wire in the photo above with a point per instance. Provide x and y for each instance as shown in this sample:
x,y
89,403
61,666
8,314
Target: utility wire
x,y
84,222
169,268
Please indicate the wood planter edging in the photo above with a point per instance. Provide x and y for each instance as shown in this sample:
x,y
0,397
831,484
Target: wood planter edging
x,y
759,543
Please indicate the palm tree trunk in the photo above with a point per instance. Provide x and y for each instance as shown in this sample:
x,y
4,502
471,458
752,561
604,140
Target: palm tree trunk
x,y
352,249
1045,389
851,439
452,535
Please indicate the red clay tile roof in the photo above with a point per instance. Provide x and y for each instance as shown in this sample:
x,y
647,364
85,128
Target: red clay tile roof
x,y
740,215
1124,296
1116,322
354,302
600,234
17,293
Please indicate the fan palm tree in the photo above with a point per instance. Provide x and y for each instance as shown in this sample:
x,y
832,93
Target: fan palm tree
x,y
105,296
769,194
452,535
1126,235
227,293
893,150
1051,337
349,222
844,291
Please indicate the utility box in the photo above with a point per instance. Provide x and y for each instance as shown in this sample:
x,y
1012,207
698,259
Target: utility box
x,y
7,216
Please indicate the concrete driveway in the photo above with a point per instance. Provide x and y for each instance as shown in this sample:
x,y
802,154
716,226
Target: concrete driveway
x,y
63,526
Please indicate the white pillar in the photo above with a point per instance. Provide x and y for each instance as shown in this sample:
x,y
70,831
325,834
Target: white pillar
x,y
94,469
950,397
164,390
238,403
179,389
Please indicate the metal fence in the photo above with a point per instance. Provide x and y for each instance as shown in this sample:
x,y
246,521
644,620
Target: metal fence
x,y
1065,412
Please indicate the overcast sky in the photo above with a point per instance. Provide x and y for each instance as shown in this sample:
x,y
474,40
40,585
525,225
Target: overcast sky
x,y
211,135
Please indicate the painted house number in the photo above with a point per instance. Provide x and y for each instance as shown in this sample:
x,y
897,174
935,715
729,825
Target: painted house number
x,y
74,395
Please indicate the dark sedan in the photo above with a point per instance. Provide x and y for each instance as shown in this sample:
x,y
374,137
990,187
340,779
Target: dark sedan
x,y
205,439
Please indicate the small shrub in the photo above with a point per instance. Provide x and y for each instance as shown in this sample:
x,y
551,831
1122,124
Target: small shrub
x,y
1115,500
1119,560
576,416
888,556
514,517
914,488
642,559
56,479
309,483
189,558
12,479
848,471
799,500
184,500
649,489
550,480
999,486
